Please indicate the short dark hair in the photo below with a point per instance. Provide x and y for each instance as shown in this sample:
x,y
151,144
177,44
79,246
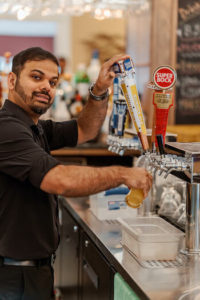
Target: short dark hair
x,y
34,53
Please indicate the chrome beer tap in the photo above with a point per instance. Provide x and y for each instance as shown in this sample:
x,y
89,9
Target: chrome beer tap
x,y
119,145
183,161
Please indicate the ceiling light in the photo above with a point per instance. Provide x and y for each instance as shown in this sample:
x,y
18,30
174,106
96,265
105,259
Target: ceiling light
x,y
100,9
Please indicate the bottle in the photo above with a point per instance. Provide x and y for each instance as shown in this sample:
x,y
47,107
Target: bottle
x,y
76,105
81,80
1,98
59,110
61,113
94,66
5,70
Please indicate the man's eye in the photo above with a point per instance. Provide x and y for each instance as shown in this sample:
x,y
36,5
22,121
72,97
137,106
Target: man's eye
x,y
53,83
36,77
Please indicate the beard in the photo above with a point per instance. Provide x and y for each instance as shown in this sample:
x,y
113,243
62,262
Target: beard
x,y
29,100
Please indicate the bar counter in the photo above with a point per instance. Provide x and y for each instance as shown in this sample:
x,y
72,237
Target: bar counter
x,y
89,149
171,283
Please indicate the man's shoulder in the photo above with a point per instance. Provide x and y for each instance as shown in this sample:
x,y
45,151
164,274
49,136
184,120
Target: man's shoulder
x,y
11,124
9,118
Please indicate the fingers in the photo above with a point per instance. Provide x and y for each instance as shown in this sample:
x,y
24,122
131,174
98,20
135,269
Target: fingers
x,y
116,58
139,178
108,64
147,184
106,75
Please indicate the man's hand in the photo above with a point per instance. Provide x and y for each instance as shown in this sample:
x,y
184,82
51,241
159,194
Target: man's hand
x,y
106,74
138,178
93,114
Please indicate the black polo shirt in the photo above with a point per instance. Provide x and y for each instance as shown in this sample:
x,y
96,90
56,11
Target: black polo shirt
x,y
28,216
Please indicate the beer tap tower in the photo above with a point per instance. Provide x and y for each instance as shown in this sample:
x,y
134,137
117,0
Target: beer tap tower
x,y
183,161
179,159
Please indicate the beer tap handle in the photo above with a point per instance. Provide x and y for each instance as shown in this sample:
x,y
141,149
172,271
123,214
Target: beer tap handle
x,y
160,143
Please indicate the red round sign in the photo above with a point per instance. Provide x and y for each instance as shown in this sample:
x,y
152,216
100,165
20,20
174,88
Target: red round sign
x,y
164,77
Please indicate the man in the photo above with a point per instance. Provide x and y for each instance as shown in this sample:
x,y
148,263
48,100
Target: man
x,y
30,177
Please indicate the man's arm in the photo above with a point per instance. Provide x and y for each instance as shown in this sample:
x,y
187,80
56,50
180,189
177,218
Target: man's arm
x,y
92,116
75,181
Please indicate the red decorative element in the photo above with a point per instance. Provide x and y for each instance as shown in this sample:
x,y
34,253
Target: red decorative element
x,y
164,77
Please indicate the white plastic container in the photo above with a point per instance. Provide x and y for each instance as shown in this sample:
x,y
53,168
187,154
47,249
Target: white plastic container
x,y
110,207
151,238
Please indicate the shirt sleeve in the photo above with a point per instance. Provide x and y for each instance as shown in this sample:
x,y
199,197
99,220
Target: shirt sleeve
x,y
60,134
20,156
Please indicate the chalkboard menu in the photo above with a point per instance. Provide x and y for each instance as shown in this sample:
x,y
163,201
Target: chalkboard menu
x,y
188,63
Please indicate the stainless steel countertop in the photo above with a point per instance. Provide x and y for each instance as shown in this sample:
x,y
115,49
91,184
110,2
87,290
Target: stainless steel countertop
x,y
172,283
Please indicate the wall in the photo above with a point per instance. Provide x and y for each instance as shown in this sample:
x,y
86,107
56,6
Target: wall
x,y
52,33
87,33
138,46
74,37
15,44
18,35
62,38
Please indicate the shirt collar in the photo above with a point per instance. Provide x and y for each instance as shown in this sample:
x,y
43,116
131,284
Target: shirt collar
x,y
21,114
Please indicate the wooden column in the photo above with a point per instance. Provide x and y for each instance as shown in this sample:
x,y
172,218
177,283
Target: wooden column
x,y
163,45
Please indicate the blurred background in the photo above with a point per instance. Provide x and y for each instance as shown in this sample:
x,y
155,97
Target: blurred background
x,y
85,33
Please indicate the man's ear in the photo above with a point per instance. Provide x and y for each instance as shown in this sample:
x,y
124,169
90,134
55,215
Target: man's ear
x,y
12,78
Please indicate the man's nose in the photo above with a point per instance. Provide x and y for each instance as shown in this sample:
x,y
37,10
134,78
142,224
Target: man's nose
x,y
45,85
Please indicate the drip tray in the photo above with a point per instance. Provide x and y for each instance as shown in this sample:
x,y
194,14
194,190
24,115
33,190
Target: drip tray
x,y
180,260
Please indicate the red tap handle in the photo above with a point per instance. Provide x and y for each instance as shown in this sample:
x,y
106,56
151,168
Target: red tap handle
x,y
163,101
